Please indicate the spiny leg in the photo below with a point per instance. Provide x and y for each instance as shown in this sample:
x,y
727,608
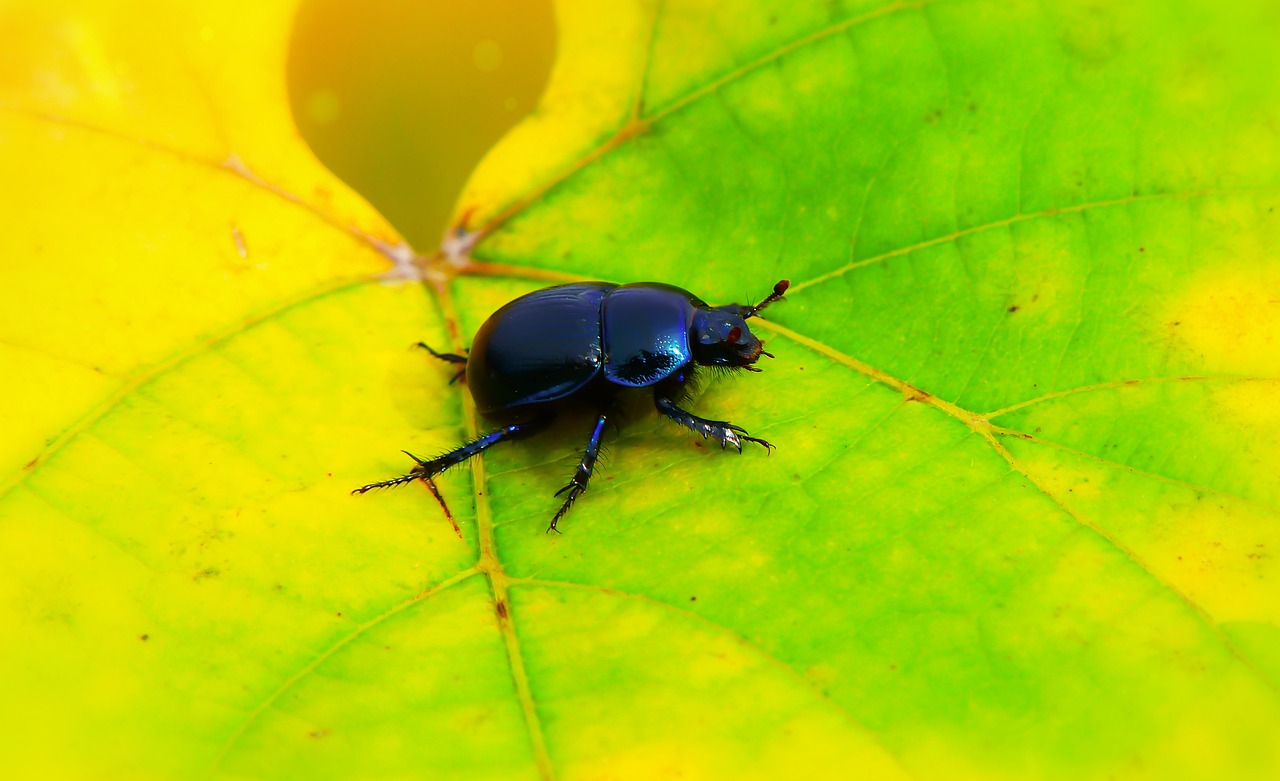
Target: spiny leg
x,y
448,358
428,468
578,483
724,432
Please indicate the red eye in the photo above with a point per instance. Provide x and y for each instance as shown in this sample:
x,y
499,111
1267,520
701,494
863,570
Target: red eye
x,y
735,334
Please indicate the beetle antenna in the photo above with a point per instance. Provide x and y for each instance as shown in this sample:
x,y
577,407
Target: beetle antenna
x,y
779,290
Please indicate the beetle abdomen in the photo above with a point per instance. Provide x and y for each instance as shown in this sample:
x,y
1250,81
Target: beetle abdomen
x,y
540,347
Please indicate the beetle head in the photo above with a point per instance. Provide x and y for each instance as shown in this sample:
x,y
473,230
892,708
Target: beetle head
x,y
722,338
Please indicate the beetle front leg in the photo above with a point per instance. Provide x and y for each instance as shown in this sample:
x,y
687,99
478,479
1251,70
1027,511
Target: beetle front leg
x,y
723,431
578,483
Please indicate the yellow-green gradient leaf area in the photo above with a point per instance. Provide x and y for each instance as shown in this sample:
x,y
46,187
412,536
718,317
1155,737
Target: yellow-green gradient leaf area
x,y
1021,520
1022,517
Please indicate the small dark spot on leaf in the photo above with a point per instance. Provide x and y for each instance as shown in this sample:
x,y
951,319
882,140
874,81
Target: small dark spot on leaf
x,y
207,572
1037,429
500,607
339,615
915,394
1013,308
693,599
144,638
1142,249
801,368
1177,322
893,667
973,108
32,463
320,733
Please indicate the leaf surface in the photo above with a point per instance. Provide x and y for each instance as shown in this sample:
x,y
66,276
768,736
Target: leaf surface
x,y
1021,518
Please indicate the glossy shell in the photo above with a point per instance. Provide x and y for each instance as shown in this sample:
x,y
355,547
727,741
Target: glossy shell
x,y
548,344
540,347
646,332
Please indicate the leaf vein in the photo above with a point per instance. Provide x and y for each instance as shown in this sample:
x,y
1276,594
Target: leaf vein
x,y
1019,218
321,657
737,637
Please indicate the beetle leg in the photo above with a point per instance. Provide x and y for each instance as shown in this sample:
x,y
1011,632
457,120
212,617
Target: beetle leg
x,y
578,483
428,468
447,357
724,432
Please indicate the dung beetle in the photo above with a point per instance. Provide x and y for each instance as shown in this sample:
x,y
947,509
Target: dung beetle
x,y
580,345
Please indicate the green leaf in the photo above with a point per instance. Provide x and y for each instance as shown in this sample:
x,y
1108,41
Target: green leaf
x,y
1021,521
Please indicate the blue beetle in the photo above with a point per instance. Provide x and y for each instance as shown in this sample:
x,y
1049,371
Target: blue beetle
x,y
581,344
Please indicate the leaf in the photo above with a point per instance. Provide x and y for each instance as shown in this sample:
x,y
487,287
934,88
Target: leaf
x,y
1032,332
1021,517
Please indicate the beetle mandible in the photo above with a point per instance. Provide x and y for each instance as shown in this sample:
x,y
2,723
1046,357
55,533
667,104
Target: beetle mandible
x,y
582,344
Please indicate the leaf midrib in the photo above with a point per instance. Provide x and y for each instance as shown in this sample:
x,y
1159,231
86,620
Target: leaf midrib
x,y
638,123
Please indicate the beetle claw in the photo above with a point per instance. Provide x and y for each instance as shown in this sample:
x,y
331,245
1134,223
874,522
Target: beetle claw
x,y
572,485
364,489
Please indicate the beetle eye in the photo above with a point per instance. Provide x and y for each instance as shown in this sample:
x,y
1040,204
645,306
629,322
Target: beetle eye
x,y
735,334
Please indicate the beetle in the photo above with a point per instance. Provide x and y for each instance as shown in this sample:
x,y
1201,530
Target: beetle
x,y
583,343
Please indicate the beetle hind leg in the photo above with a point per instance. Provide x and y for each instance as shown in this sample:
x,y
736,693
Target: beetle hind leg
x,y
448,358
578,483
430,467
722,431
